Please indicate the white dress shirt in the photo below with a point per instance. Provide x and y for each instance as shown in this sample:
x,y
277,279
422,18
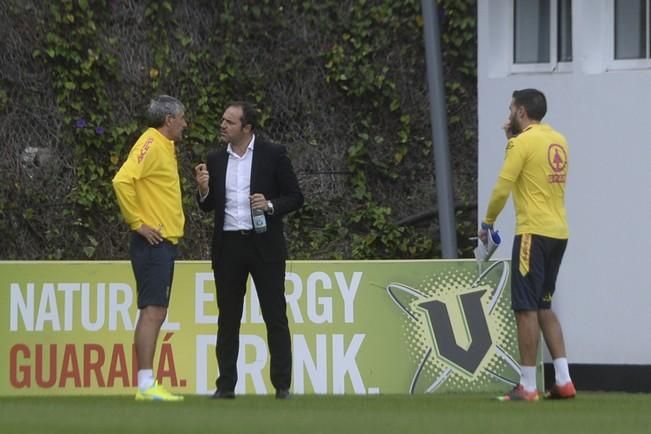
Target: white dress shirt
x,y
237,210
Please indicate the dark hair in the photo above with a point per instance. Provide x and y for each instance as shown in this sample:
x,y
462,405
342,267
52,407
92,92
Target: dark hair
x,y
162,106
533,101
249,113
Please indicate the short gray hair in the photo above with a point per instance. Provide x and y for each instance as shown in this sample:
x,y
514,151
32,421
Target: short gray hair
x,y
162,106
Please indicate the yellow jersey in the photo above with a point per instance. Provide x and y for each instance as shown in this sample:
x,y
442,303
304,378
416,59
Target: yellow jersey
x,y
148,187
536,165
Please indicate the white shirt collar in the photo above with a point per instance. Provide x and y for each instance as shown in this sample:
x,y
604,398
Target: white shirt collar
x,y
249,148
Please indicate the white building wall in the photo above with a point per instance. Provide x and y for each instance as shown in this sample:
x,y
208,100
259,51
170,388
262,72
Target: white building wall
x,y
604,287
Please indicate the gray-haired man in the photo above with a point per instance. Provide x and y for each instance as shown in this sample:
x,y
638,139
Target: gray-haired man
x,y
148,190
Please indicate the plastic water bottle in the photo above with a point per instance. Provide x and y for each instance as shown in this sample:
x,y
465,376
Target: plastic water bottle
x,y
259,220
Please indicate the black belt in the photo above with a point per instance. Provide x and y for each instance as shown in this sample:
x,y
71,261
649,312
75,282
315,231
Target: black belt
x,y
242,232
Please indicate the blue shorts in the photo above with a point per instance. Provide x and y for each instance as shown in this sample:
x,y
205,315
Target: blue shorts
x,y
153,268
535,263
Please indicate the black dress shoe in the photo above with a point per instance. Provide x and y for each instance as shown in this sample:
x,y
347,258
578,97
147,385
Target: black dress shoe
x,y
282,394
223,394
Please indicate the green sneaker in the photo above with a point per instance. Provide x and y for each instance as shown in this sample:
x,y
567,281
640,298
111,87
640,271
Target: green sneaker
x,y
157,393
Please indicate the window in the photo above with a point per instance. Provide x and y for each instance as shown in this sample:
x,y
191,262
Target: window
x,y
531,31
631,29
542,34
565,31
629,44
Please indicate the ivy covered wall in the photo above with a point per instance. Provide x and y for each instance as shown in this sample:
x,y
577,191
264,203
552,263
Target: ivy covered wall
x,y
340,82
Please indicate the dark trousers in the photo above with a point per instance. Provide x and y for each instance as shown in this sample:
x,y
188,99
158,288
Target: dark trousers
x,y
239,258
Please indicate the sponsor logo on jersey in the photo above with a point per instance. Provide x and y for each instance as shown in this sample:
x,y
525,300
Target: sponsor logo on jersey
x,y
557,159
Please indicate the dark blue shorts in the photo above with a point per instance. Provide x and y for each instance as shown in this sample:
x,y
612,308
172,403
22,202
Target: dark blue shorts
x,y
535,263
153,267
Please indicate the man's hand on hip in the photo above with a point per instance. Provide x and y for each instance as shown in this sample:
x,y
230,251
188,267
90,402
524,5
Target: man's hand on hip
x,y
153,236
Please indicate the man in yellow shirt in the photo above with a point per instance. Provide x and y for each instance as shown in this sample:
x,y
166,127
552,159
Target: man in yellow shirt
x,y
148,191
535,170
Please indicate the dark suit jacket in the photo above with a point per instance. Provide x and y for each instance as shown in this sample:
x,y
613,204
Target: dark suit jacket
x,y
272,175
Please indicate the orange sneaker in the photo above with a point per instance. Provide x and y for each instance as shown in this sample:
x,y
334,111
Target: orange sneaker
x,y
566,391
519,394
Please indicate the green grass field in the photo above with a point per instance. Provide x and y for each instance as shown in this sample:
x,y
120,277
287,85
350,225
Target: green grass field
x,y
592,413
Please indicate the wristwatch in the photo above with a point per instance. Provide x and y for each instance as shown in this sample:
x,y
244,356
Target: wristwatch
x,y
270,208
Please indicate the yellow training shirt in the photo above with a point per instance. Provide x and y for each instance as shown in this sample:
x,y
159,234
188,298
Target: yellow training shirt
x,y
148,187
535,167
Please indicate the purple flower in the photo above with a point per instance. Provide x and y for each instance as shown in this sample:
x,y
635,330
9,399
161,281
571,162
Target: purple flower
x,y
81,123
99,131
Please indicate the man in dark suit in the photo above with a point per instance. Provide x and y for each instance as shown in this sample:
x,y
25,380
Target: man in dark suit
x,y
250,174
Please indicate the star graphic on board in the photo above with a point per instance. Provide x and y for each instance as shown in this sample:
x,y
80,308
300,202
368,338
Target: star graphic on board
x,y
479,352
